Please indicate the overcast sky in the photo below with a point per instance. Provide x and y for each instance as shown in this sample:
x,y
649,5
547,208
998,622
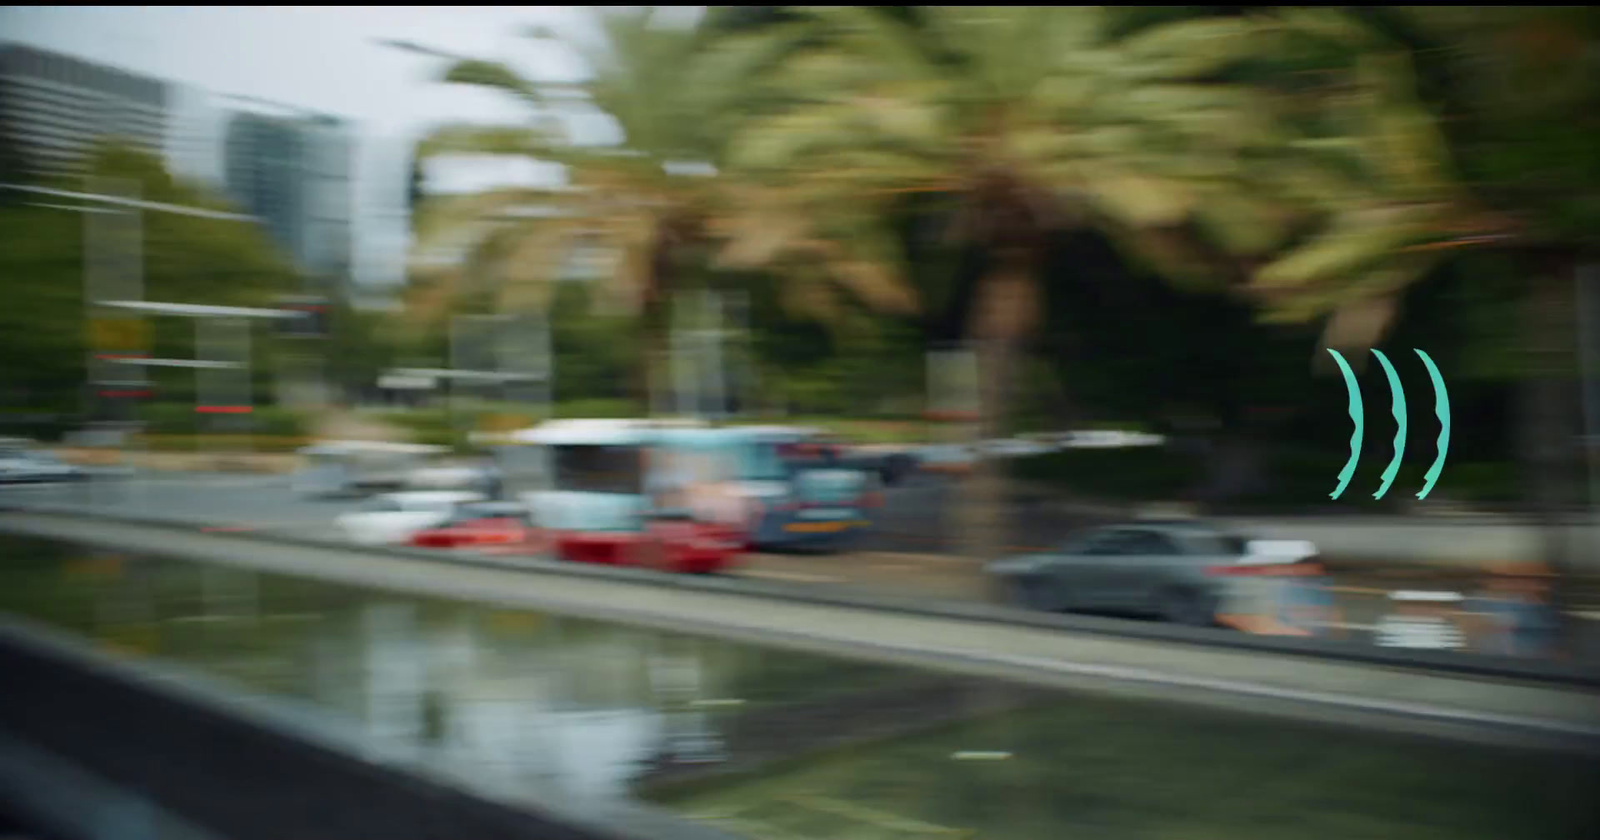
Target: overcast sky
x,y
325,59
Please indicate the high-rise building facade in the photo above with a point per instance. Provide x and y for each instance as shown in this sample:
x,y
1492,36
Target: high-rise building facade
x,y
195,126
54,108
294,173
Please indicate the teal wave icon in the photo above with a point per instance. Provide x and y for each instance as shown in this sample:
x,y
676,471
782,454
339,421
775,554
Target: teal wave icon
x,y
1356,417
1398,406
1441,408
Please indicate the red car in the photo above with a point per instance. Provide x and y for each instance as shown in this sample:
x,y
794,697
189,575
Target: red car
x,y
668,543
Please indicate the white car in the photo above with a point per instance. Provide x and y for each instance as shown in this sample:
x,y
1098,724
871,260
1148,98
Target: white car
x,y
392,518
30,466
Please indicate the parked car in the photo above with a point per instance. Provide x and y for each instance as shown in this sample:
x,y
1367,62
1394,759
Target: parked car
x,y
1186,571
392,518
668,542
489,526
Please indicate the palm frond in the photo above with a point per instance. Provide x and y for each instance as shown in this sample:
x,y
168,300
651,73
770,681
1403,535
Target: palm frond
x,y
495,76
525,276
1356,239
1192,49
1138,200
448,221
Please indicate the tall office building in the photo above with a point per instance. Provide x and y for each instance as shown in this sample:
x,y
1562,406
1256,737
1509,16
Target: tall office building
x,y
294,173
54,108
195,126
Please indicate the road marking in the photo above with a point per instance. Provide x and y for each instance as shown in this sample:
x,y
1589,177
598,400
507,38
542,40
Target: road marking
x,y
797,577
717,702
1347,625
307,526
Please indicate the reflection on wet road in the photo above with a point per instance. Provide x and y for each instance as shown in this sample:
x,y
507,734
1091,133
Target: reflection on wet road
x,y
774,744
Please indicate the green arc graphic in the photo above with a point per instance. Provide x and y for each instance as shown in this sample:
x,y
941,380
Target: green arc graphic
x,y
1398,405
1356,416
1441,408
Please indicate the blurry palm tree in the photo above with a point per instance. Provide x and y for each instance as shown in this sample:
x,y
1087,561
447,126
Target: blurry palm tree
x,y
1429,129
1516,95
646,206
1336,194
1026,120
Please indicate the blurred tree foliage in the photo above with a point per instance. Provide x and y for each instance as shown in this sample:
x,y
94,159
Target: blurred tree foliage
x,y
595,351
654,202
186,259
1331,164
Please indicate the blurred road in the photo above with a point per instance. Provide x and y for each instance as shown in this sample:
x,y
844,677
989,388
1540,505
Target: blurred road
x,y
913,519
919,517
896,561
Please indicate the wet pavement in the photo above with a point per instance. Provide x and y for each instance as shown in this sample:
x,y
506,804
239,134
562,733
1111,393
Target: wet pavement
x,y
774,744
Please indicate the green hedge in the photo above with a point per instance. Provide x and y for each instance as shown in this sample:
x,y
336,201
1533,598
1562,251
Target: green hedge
x,y
600,407
224,443
1295,478
431,426
181,419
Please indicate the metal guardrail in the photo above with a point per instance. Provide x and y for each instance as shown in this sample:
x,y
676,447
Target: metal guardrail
x,y
174,750
1542,672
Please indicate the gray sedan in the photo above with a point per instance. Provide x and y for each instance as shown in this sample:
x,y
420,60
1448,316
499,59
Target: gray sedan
x,y
1182,571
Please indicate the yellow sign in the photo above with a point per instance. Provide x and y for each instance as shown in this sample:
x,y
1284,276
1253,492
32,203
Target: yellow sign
x,y
119,334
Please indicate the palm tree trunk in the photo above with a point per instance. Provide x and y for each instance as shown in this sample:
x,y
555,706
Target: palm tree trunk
x,y
982,509
1005,309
